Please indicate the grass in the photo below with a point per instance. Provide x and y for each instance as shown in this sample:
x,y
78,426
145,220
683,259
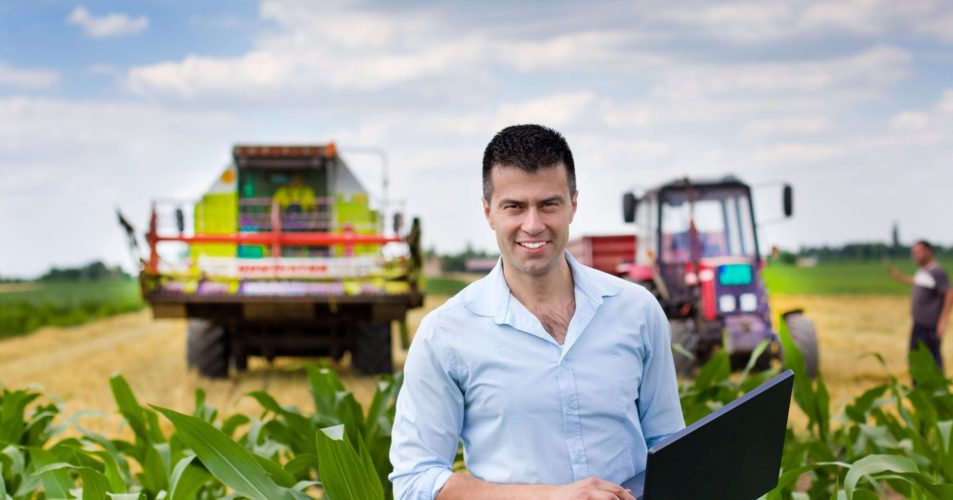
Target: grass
x,y
65,304
441,285
840,278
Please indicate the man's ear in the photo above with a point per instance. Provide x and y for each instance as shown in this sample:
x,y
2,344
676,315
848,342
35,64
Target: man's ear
x,y
486,212
574,198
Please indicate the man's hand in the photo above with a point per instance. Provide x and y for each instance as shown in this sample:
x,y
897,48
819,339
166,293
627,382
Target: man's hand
x,y
894,273
591,488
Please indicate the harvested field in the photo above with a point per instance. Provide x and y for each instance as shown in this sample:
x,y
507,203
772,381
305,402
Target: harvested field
x,y
75,363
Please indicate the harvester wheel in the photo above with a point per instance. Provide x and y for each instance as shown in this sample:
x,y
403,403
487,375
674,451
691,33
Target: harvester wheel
x,y
208,348
804,336
196,329
371,348
684,335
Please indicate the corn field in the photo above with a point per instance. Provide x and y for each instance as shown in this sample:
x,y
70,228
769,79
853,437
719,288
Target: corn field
x,y
895,439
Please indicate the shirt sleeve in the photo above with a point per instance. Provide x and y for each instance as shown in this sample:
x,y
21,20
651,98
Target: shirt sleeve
x,y
428,420
942,281
660,410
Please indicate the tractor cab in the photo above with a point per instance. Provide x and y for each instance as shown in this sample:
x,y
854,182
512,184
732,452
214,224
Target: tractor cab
x,y
699,254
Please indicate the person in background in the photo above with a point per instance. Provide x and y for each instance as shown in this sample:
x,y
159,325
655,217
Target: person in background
x,y
931,300
295,195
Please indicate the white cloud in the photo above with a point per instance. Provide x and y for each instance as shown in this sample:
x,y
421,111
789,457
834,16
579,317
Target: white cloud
x,y
27,78
761,128
751,22
112,24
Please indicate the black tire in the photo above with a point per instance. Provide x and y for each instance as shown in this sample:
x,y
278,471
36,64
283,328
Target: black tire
x,y
207,348
804,336
683,334
371,348
196,328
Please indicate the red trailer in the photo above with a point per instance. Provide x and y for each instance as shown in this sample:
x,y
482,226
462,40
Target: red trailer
x,y
610,253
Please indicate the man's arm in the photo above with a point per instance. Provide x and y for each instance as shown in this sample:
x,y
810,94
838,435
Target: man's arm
x,y
895,274
945,313
660,410
462,486
428,420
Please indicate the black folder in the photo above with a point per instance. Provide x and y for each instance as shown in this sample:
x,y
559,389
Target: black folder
x,y
733,453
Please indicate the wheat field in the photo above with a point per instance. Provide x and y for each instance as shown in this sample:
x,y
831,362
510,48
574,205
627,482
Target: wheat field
x,y
74,364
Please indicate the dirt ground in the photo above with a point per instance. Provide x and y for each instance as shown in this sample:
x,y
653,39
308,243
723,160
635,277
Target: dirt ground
x,y
74,364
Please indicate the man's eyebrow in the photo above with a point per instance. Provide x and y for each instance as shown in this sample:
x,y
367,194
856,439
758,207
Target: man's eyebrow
x,y
510,201
552,199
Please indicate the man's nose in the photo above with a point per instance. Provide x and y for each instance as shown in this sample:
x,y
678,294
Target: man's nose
x,y
533,222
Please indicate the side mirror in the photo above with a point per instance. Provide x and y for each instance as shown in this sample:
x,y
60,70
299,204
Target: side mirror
x,y
788,200
398,222
179,220
629,205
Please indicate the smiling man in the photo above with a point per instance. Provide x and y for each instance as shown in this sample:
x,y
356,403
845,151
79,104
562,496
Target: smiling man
x,y
556,377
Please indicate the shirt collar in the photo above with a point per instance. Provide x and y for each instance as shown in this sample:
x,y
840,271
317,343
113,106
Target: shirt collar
x,y
493,297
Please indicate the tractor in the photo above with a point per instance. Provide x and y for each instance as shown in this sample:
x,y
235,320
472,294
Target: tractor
x,y
698,253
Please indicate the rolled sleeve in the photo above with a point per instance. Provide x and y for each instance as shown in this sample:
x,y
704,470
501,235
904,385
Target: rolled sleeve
x,y
428,420
660,410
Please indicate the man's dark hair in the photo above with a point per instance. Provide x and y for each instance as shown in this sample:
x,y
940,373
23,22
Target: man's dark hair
x,y
529,148
926,244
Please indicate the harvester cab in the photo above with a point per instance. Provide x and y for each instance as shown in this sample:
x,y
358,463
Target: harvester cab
x,y
699,254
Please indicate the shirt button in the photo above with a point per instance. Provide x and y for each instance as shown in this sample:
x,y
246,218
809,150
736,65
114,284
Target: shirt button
x,y
579,459
571,411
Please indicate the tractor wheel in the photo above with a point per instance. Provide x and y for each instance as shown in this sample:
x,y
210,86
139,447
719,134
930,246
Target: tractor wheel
x,y
371,348
207,348
683,333
804,336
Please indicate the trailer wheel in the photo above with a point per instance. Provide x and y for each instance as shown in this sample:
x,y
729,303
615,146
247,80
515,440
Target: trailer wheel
x,y
804,336
371,348
207,348
684,335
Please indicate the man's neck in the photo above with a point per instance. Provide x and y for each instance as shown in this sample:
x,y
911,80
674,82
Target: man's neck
x,y
533,291
929,265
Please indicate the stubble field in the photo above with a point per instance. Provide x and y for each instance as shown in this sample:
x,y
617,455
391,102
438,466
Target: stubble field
x,y
75,363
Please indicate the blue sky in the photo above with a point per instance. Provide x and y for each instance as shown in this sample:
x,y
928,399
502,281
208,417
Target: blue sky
x,y
111,104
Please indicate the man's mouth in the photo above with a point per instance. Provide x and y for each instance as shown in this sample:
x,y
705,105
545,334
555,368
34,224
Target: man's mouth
x,y
532,245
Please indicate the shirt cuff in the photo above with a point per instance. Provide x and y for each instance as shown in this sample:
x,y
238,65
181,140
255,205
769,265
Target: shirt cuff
x,y
440,481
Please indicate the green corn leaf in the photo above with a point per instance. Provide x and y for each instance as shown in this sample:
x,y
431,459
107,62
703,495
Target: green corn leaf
x,y
124,496
129,407
717,369
346,473
111,471
12,425
274,470
324,386
753,359
300,465
187,479
225,459
95,484
873,464
234,422
56,481
154,475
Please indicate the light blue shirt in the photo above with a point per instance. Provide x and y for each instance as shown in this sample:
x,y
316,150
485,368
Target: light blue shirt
x,y
482,369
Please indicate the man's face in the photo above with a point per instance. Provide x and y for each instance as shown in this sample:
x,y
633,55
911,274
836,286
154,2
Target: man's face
x,y
921,254
530,213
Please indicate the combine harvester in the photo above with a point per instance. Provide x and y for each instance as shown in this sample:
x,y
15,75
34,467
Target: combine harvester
x,y
284,257
696,248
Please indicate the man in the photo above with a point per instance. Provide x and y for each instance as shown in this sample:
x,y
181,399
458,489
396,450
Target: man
x,y
296,195
931,300
557,377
